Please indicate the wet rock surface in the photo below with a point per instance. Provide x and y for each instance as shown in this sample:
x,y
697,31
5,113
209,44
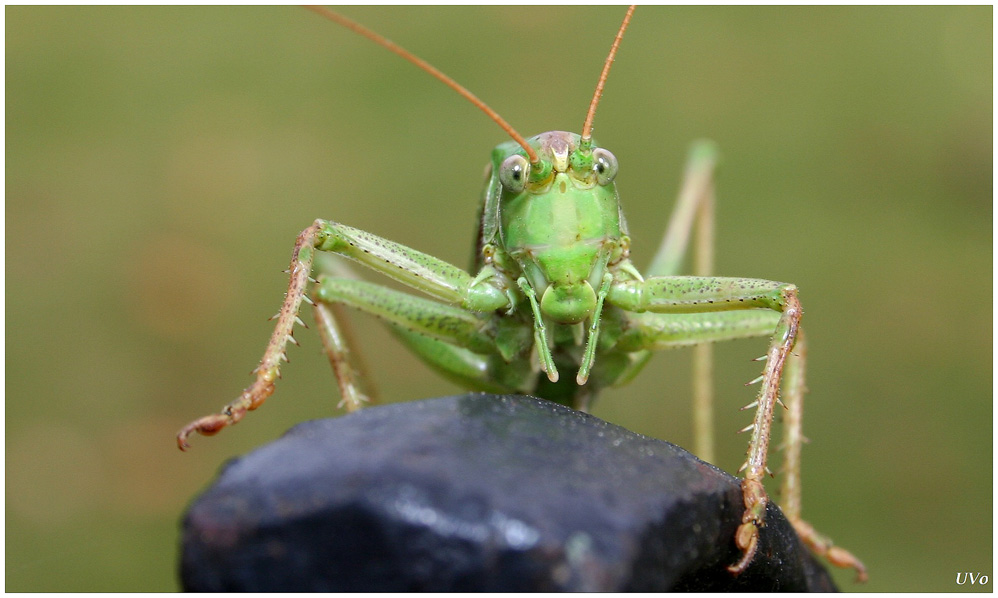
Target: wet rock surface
x,y
478,492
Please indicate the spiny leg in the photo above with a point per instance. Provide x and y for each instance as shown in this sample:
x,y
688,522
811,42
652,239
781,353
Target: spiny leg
x,y
793,394
664,330
418,270
695,209
688,294
269,369
689,309
753,491
676,295
661,330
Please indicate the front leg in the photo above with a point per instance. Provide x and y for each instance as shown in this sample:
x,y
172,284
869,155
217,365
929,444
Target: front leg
x,y
753,492
788,335
426,273
269,369
700,296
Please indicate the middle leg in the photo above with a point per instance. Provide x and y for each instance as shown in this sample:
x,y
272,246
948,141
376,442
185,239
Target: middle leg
x,y
464,346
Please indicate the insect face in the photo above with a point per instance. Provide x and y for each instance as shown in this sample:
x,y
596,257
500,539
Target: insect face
x,y
560,223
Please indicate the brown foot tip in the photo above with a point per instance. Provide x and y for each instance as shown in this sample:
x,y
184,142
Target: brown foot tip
x,y
841,557
747,539
206,426
835,555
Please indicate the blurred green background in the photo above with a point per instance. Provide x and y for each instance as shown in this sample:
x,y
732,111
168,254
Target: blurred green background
x,y
161,161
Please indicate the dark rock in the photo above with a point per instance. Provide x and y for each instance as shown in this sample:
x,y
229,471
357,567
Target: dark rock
x,y
478,493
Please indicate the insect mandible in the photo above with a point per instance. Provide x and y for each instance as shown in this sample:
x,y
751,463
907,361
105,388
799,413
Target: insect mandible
x,y
554,291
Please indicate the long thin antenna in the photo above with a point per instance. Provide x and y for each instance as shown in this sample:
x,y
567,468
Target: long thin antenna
x,y
390,45
587,129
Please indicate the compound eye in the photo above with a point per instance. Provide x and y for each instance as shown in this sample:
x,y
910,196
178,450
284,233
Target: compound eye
x,y
604,165
513,173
